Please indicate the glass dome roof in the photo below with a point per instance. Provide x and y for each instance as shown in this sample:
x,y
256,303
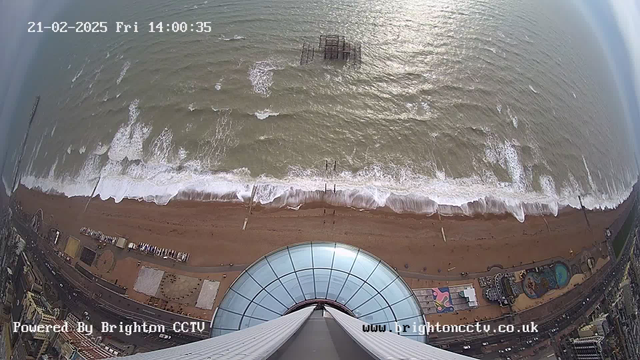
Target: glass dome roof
x,y
343,276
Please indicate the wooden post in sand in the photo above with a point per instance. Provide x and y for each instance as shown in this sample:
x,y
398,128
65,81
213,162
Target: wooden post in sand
x,y
91,197
584,211
444,237
546,223
253,194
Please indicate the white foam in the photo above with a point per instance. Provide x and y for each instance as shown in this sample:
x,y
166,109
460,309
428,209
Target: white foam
x,y
574,95
53,131
532,89
52,171
591,183
130,137
101,149
97,73
78,74
182,153
235,37
261,77
192,107
161,147
261,115
82,149
7,188
125,67
69,149
373,187
499,108
513,118
34,154
159,176
548,186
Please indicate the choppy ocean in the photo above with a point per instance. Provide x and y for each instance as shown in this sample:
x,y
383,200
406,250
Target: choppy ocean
x,y
461,107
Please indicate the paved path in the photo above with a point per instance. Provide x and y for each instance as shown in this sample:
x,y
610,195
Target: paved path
x,y
406,274
123,254
178,265
471,276
103,297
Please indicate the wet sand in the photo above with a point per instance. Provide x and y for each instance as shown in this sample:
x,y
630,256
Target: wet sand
x,y
212,231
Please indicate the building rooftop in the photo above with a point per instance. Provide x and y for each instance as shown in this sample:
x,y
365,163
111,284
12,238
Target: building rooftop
x,y
342,276
311,333
40,303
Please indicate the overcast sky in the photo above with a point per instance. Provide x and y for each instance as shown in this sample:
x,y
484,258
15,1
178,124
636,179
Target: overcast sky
x,y
617,23
18,49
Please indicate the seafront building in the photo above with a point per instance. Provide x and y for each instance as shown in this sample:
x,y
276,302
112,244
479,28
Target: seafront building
x,y
588,348
315,301
37,311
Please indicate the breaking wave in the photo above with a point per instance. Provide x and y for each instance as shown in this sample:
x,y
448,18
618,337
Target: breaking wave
x,y
125,67
168,172
261,77
370,188
261,115
129,139
235,37
78,74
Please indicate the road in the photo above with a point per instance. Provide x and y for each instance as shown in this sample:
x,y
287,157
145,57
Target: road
x,y
568,313
99,298
565,316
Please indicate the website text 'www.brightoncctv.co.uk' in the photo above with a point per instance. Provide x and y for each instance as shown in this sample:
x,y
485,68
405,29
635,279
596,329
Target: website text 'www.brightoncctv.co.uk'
x,y
430,328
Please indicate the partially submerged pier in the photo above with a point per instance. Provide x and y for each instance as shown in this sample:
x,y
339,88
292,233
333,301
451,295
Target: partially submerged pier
x,y
333,48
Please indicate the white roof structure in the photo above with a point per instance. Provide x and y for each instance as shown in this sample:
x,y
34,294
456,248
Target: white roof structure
x,y
470,294
272,339
257,342
388,345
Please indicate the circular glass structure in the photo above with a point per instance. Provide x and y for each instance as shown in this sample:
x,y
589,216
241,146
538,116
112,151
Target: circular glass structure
x,y
339,275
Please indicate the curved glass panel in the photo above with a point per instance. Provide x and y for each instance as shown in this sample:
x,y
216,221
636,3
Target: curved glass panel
x,y
359,281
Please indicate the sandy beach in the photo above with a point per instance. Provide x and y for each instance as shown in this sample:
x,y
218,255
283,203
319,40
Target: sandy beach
x,y
212,231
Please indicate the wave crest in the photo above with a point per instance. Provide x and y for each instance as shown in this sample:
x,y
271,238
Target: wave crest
x,y
368,189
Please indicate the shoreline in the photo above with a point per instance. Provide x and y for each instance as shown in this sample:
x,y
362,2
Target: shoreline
x,y
486,207
212,231
417,195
